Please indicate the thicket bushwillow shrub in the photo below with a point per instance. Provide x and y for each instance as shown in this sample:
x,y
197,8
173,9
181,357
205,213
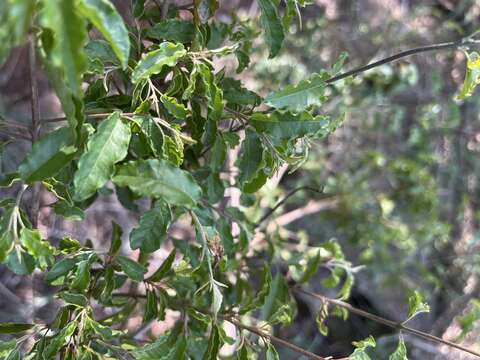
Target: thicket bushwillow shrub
x,y
148,113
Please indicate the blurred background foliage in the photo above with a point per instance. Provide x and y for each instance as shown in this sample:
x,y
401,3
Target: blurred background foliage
x,y
400,178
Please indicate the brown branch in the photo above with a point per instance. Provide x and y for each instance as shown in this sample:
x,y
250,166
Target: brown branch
x,y
13,125
274,339
35,127
312,207
13,134
281,202
386,322
402,54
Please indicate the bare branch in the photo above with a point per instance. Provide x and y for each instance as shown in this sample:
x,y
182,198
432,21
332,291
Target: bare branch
x,y
389,323
274,339
402,54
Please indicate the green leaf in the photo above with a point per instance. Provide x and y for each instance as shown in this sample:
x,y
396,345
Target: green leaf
x,y
302,96
14,355
272,26
106,19
235,93
101,50
159,179
104,331
70,35
288,126
48,156
132,268
401,351
71,101
272,353
278,306
37,247
59,340
6,244
16,16
106,147
175,108
213,344
164,268
472,75
61,268
7,180
74,299
82,276
13,328
152,229
151,307
251,163
20,262
69,212
7,346
361,346
171,345
217,299
116,239
416,305
173,30
152,63
468,320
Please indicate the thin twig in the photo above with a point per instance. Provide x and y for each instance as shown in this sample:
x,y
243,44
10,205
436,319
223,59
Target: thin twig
x,y
389,323
274,339
35,127
34,89
14,134
90,116
402,54
14,125
281,202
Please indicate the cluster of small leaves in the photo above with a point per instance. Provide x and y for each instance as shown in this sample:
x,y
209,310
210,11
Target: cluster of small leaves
x,y
148,115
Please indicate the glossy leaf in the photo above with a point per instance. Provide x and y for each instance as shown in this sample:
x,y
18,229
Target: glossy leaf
x,y
301,96
153,62
106,19
361,346
20,262
68,28
159,179
106,147
13,328
401,351
250,163
416,305
133,269
82,276
59,340
152,229
288,126
175,108
116,239
7,346
164,268
173,30
472,75
61,268
213,344
271,25
272,353
151,307
48,156
37,247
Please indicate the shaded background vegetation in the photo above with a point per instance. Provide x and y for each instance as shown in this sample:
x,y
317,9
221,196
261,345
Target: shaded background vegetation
x,y
400,177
